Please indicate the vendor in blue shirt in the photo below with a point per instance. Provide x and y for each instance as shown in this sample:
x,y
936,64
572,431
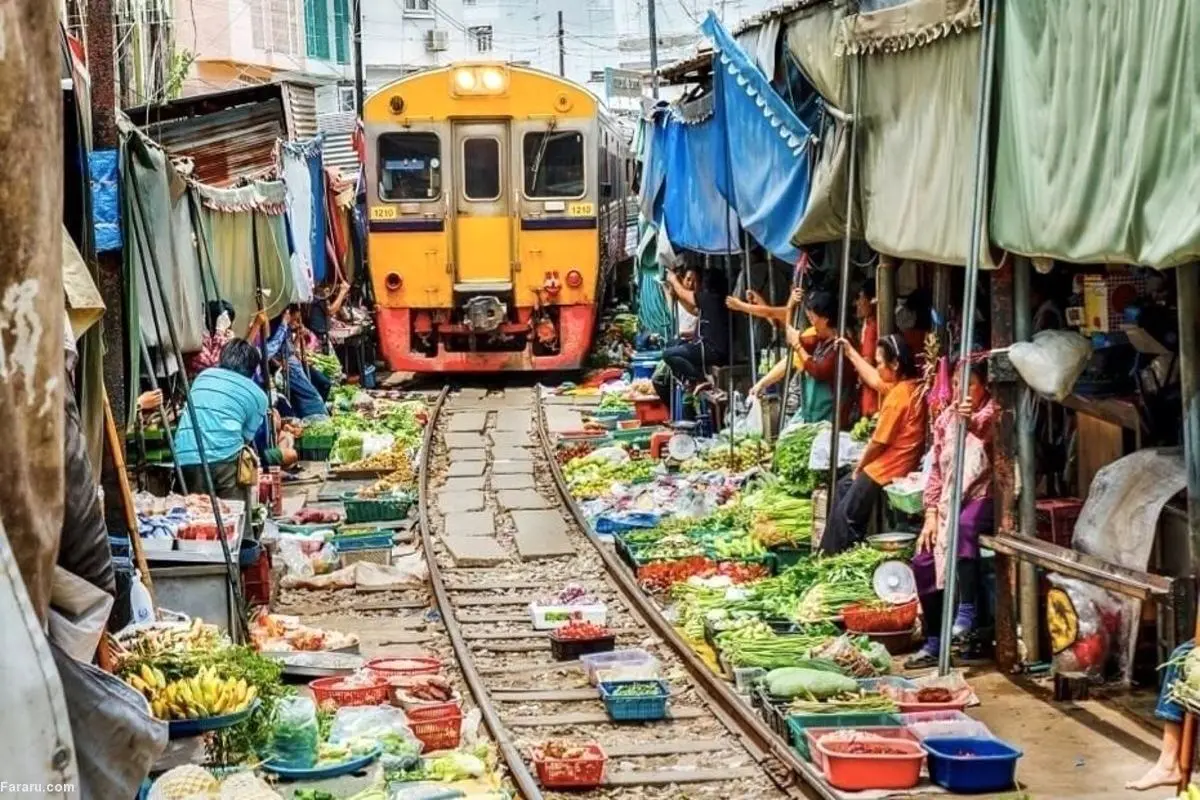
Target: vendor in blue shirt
x,y
230,409
305,395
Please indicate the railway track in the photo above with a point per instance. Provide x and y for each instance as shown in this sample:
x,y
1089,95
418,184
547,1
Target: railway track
x,y
498,530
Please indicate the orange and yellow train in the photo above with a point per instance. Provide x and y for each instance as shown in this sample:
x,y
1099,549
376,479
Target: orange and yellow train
x,y
497,198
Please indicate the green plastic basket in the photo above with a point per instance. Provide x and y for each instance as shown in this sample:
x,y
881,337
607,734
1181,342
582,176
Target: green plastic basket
x,y
634,436
360,509
789,556
906,502
799,723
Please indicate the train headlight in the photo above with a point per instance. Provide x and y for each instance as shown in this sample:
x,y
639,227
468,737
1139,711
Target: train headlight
x,y
464,79
574,279
493,80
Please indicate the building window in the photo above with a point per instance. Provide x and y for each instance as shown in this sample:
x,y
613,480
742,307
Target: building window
x,y
345,98
275,26
482,36
554,164
421,7
316,28
410,166
481,169
341,30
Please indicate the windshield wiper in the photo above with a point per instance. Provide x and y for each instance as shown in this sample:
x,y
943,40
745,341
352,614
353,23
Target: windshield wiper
x,y
537,162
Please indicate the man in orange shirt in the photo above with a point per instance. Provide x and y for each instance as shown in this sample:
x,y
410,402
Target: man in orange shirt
x,y
895,447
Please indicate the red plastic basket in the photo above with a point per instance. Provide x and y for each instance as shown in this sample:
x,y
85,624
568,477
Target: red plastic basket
x,y
328,695
862,619
585,772
651,411
256,580
438,727
396,667
855,772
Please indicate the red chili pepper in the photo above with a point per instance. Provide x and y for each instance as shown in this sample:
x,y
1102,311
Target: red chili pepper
x,y
581,630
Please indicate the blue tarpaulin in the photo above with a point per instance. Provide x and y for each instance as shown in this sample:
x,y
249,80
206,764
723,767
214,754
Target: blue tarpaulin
x,y
748,154
104,166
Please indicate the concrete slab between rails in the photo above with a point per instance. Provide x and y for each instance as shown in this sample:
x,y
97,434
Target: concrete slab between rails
x,y
463,483
469,523
671,747
511,439
542,695
541,534
512,454
470,453
467,422
470,394
464,441
560,419
474,550
514,481
665,777
512,499
516,419
464,469
512,467
466,500
596,718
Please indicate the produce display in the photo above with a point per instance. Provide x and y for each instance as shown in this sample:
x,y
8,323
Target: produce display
x,y
280,633
636,689
792,453
579,631
399,482
593,475
429,688
325,363
205,694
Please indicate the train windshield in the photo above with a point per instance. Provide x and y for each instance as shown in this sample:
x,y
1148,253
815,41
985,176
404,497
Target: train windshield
x,y
410,166
554,164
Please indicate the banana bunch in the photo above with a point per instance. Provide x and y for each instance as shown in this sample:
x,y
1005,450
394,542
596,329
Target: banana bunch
x,y
205,694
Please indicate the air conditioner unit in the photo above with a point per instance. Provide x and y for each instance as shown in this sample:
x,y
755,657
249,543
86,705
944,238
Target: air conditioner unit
x,y
437,41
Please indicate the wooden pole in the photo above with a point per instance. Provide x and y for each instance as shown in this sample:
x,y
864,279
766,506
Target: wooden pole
x,y
117,448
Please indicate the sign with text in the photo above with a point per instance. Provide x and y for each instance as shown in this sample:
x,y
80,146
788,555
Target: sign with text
x,y
622,83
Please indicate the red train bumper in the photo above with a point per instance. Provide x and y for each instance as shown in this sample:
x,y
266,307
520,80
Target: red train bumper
x,y
576,324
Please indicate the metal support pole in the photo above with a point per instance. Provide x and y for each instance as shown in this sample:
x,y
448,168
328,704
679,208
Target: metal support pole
x,y
1188,282
231,568
653,25
1027,587
360,92
562,50
162,415
844,292
752,321
885,295
974,244
797,281
261,305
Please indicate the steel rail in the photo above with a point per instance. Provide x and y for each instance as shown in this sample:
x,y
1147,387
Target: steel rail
x,y
526,783
761,742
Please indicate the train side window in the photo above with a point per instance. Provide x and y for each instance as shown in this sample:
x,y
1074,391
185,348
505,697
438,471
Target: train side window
x,y
554,164
481,169
410,166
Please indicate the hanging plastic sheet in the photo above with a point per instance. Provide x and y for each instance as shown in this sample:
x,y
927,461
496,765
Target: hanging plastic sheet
x,y
229,221
104,166
306,214
654,315
694,212
1096,155
767,146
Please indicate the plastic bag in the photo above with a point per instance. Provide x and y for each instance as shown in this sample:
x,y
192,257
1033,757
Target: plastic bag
x,y
295,561
751,423
1085,625
296,735
849,451
376,443
370,722
326,560
1052,362
78,614
613,455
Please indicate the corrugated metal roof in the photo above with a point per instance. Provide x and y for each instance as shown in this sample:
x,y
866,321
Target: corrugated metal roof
x,y
228,135
784,8
339,146
302,110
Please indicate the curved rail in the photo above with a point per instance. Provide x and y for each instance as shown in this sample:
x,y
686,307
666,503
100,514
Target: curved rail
x,y
758,738
526,783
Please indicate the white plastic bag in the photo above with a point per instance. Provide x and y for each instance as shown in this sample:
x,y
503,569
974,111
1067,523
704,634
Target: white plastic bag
x,y
377,443
751,423
1052,362
613,455
371,722
78,614
849,451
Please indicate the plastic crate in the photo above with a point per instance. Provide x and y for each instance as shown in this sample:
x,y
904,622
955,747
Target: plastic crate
x,y
855,772
1056,518
798,725
773,711
401,667
652,412
586,772
371,541
547,618
971,766
328,696
360,509
911,502
256,579
943,724
571,649
640,708
381,555
633,659
439,727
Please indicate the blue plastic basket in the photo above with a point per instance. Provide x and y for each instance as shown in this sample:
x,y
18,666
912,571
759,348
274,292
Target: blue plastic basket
x,y
642,708
644,370
971,766
349,544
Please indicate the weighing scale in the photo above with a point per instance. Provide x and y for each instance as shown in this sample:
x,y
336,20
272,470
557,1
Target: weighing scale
x,y
678,444
894,582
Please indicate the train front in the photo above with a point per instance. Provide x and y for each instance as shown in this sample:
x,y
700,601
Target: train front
x,y
483,240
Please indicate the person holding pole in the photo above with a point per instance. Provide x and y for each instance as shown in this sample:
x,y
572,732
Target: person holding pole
x,y
896,445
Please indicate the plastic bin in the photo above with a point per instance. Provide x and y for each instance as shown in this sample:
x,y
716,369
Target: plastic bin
x,y
815,735
547,618
328,695
890,619
643,370
1056,518
798,724
571,649
634,660
401,667
375,509
651,411
585,772
635,708
971,766
944,724
438,727
854,771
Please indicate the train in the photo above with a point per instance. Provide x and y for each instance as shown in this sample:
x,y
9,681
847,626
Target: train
x,y
498,199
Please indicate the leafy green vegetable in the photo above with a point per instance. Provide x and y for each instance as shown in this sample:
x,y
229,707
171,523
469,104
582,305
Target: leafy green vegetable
x,y
791,458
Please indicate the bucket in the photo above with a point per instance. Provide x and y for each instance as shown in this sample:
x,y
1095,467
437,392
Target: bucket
x,y
643,370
